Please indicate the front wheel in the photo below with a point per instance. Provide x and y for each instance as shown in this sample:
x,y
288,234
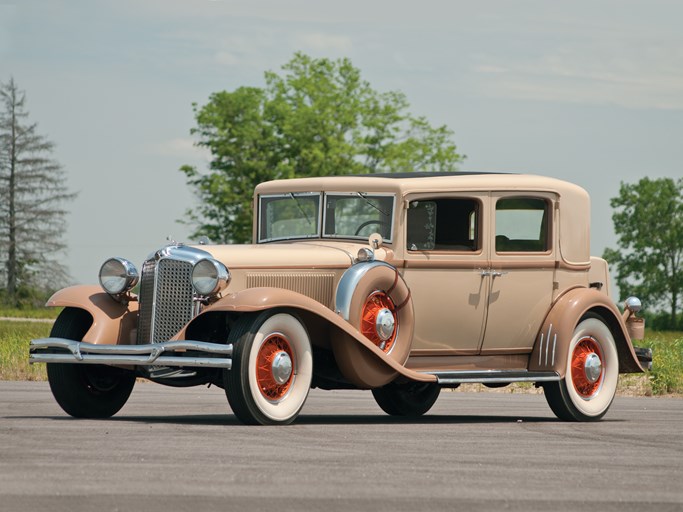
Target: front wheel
x,y
590,383
83,390
411,399
272,368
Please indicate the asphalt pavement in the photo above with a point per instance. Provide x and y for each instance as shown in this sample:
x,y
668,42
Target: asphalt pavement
x,y
182,449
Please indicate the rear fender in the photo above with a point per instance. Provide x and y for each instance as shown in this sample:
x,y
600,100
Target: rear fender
x,y
113,323
552,343
363,370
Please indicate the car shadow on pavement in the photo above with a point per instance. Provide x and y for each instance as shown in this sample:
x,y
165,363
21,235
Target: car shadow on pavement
x,y
315,419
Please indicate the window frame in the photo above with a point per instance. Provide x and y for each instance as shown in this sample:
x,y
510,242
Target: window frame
x,y
479,212
548,220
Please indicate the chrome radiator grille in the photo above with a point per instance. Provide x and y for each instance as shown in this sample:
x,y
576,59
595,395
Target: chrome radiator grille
x,y
166,299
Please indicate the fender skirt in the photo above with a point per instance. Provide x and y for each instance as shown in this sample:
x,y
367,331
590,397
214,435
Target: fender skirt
x,y
552,343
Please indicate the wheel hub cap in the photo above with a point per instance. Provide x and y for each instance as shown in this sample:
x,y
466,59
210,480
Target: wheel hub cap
x,y
379,320
384,324
592,367
587,368
281,367
275,365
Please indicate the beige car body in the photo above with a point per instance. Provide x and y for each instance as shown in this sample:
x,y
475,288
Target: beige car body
x,y
469,302
467,309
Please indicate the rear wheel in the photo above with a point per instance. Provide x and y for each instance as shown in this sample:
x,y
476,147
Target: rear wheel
x,y
272,368
411,399
82,390
590,383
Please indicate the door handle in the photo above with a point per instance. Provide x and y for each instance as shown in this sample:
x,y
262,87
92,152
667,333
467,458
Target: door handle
x,y
492,273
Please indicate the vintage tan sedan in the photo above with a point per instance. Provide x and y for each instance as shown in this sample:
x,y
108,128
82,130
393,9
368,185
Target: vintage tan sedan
x,y
402,284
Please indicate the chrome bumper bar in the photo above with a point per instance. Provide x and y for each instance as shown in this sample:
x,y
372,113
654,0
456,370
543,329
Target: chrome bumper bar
x,y
167,353
644,357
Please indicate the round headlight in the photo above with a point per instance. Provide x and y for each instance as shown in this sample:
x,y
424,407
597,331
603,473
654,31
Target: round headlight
x,y
118,275
209,277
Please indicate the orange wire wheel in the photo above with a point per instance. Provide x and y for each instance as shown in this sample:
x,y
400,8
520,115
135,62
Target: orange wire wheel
x,y
275,367
379,320
587,367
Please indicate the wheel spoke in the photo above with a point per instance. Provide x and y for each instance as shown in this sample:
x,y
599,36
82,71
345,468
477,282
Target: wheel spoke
x,y
585,387
272,346
376,303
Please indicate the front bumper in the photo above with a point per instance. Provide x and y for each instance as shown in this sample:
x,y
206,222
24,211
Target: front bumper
x,y
183,353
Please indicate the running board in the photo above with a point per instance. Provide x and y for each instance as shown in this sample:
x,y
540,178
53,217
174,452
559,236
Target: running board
x,y
448,378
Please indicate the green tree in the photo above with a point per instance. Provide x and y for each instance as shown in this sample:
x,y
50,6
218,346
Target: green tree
x,y
317,118
31,191
648,220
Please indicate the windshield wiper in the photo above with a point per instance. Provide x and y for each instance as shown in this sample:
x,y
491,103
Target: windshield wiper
x,y
298,205
363,196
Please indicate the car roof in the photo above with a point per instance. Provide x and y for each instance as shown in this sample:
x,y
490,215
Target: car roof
x,y
425,182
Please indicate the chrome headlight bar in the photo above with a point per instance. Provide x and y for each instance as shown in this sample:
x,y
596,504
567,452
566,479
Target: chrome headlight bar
x,y
209,276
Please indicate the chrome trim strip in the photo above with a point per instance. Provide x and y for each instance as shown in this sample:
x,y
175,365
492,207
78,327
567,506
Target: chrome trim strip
x,y
141,355
446,378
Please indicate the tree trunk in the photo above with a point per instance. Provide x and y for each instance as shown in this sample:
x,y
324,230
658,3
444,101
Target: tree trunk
x,y
12,250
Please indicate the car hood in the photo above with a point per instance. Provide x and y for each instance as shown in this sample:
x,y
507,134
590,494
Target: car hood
x,y
316,254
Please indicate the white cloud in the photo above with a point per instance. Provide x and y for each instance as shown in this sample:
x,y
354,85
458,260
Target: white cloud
x,y
633,73
181,147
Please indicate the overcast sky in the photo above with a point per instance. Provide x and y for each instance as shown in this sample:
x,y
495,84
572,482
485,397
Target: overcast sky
x,y
587,91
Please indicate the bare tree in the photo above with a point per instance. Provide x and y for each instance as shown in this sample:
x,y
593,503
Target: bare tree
x,y
32,190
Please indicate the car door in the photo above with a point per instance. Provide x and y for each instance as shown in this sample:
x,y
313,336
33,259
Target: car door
x,y
522,262
444,257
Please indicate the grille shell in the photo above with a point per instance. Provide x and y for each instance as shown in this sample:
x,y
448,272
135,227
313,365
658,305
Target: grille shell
x,y
166,299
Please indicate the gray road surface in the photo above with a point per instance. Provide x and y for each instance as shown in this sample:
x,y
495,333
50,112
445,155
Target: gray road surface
x,y
182,449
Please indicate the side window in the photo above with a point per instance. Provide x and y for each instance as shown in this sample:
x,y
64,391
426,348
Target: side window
x,y
522,225
443,225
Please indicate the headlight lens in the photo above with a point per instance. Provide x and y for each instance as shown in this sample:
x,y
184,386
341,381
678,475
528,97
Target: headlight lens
x,y
118,275
210,276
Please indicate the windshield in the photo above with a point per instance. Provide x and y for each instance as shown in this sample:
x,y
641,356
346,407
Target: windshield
x,y
289,216
345,215
358,215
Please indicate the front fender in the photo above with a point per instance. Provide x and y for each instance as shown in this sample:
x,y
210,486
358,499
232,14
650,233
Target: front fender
x,y
113,322
259,299
552,343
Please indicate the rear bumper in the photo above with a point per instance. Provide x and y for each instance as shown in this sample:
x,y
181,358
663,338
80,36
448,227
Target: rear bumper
x,y
183,353
644,357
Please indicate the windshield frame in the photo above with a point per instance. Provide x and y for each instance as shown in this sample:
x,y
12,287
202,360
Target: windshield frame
x,y
291,195
322,215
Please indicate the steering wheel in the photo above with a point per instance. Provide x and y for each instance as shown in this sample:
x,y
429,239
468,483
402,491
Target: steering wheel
x,y
383,226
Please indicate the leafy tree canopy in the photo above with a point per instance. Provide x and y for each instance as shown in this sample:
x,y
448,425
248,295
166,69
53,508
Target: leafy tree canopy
x,y
316,118
648,220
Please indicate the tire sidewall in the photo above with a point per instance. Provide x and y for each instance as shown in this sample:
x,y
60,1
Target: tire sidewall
x,y
596,406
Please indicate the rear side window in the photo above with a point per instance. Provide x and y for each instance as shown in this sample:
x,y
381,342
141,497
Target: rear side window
x,y
522,225
443,225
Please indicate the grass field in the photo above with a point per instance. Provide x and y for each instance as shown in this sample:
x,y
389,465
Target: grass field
x,y
14,339
30,312
666,377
